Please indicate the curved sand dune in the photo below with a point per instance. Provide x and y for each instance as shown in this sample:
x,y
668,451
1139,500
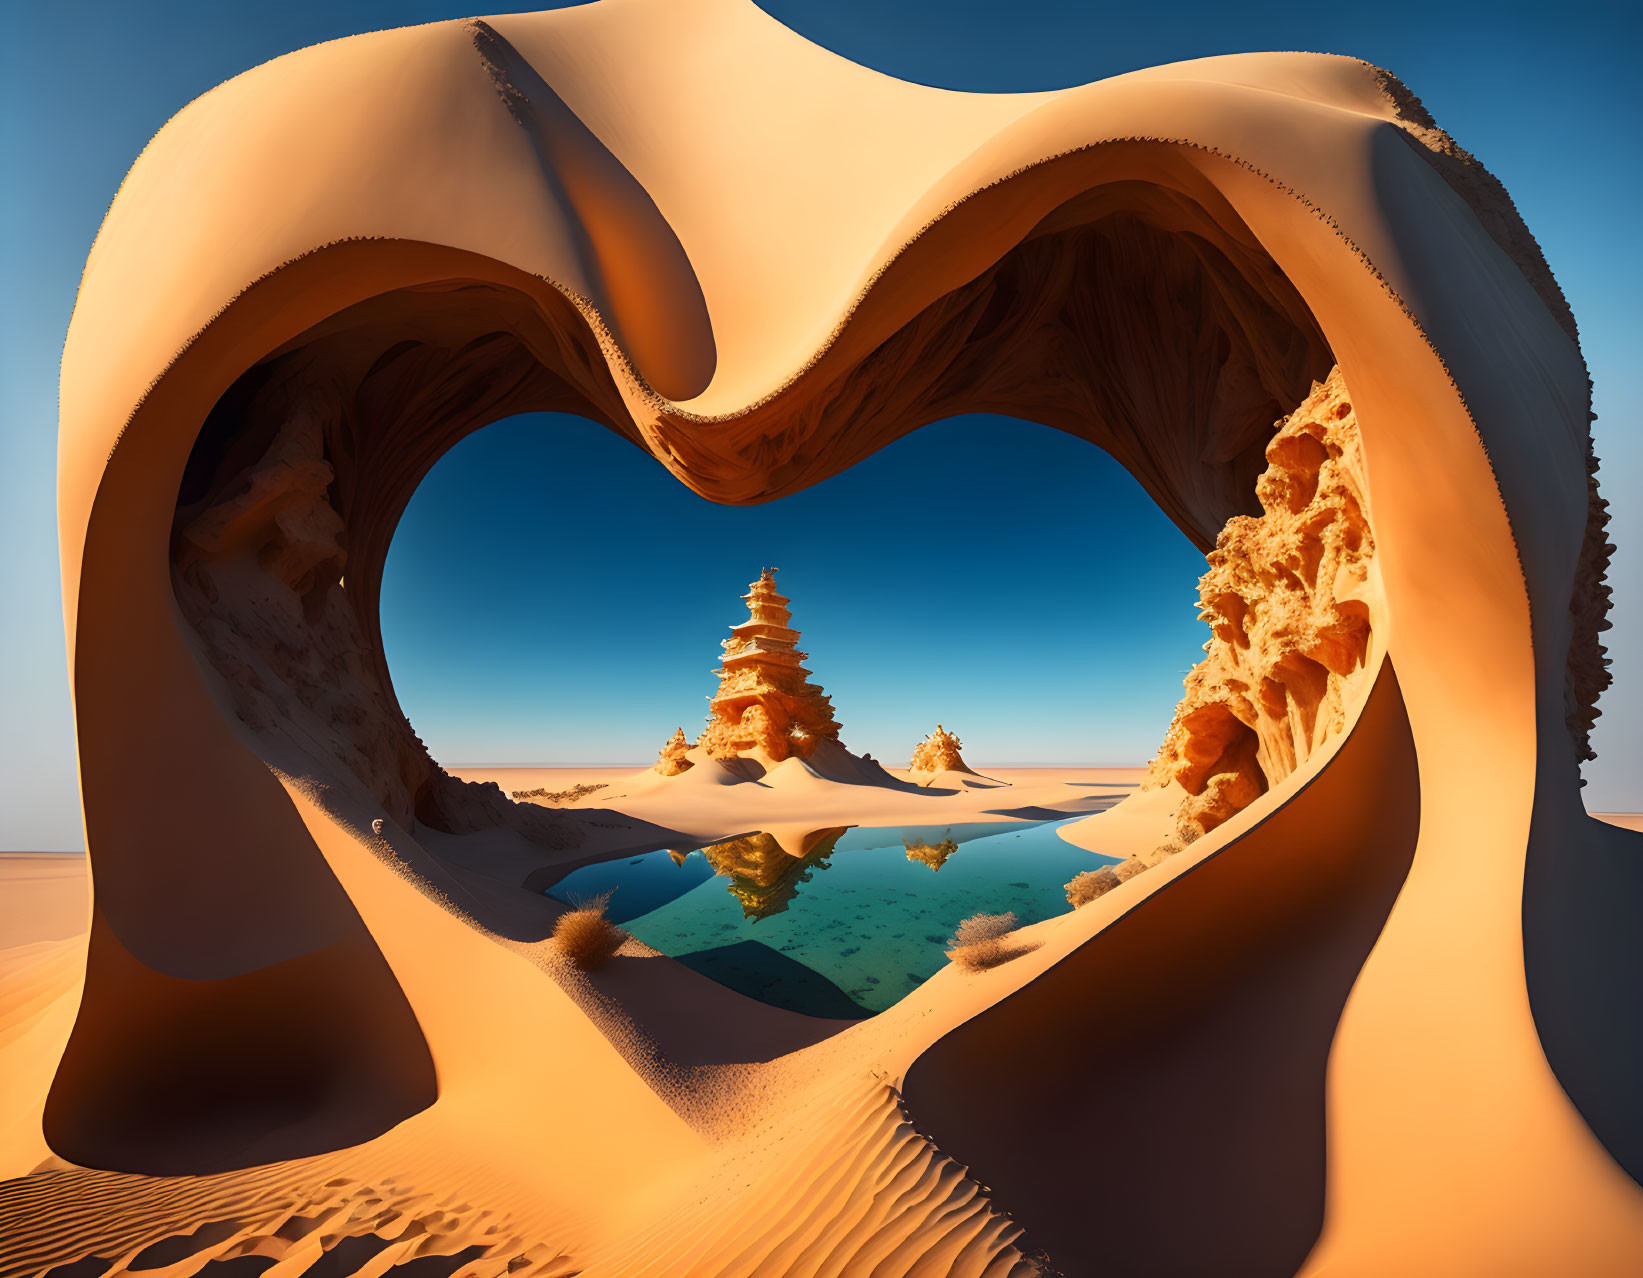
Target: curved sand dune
x,y
1381,1020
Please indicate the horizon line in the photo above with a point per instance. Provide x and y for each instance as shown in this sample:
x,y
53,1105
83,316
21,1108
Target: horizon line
x,y
449,766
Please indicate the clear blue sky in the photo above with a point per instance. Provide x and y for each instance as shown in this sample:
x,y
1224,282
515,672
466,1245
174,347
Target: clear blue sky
x,y
1004,579
1547,95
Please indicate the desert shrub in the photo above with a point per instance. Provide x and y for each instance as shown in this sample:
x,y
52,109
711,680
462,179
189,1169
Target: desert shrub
x,y
1085,887
983,927
585,936
982,941
559,796
1127,870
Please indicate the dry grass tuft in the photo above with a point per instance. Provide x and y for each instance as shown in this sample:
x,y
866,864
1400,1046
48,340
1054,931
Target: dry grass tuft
x,y
1085,887
585,936
982,941
560,796
983,927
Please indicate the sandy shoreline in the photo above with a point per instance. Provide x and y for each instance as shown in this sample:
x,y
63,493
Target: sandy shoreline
x,y
789,801
530,775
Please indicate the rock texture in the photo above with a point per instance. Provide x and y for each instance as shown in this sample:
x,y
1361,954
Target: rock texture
x,y
258,554
1288,602
671,762
765,702
938,752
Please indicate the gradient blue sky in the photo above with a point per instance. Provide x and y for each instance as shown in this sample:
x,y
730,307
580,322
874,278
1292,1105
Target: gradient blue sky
x,y
991,574
1546,95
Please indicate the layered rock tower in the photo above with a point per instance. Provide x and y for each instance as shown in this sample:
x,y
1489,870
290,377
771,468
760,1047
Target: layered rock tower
x,y
765,700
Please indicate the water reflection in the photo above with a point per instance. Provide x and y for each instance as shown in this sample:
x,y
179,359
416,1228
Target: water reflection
x,y
763,877
933,855
846,943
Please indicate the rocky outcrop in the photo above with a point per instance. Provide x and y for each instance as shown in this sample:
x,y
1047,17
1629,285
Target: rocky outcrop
x,y
1288,601
938,752
276,510
257,569
672,761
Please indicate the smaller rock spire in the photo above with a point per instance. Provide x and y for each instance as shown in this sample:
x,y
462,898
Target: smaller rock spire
x,y
938,752
671,762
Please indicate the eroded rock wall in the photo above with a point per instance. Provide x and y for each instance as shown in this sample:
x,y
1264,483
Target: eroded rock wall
x,y
258,566
257,572
1288,601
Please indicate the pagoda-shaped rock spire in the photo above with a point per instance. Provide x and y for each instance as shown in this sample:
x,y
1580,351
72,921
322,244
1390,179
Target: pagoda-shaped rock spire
x,y
765,701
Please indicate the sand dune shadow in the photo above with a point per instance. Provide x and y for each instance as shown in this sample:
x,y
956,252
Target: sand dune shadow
x,y
1154,1103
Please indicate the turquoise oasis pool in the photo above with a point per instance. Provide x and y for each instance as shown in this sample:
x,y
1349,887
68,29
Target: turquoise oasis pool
x,y
855,926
